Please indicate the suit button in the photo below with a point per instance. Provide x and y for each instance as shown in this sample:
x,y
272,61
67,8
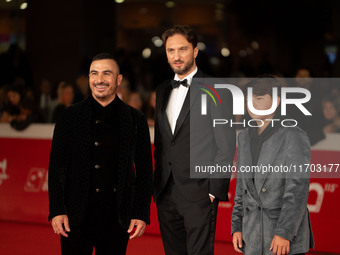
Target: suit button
x,y
245,191
114,189
96,143
97,166
259,207
264,190
172,143
98,190
169,163
247,209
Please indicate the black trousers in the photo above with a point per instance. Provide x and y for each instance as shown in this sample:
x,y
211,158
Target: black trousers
x,y
99,230
186,227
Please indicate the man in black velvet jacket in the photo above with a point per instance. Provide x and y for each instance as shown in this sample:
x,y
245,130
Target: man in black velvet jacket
x,y
100,172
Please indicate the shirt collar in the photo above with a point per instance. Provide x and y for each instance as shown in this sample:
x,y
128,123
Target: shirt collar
x,y
98,107
188,77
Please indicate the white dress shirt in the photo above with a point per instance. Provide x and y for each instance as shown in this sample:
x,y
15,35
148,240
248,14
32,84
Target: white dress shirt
x,y
176,100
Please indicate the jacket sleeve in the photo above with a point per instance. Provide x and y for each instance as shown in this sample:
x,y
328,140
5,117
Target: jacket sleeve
x,y
143,166
297,185
59,160
225,140
237,214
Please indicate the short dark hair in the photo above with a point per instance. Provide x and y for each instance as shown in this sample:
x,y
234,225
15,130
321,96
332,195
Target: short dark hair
x,y
264,84
103,55
184,30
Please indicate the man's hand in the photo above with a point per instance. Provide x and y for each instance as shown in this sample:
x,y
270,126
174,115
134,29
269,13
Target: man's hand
x,y
279,246
60,224
140,228
237,241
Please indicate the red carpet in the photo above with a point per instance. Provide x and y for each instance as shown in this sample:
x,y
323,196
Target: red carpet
x,y
34,239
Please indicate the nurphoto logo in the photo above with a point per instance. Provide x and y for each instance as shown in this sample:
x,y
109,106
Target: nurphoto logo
x,y
302,96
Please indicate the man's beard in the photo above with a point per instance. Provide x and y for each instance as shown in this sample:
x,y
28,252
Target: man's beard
x,y
185,69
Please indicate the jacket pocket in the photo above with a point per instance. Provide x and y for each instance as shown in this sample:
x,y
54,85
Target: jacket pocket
x,y
274,213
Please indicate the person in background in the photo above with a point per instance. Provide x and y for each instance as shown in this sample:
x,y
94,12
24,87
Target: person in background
x,y
311,124
135,100
13,105
47,103
150,110
331,113
82,90
123,90
100,170
270,214
66,99
3,97
19,110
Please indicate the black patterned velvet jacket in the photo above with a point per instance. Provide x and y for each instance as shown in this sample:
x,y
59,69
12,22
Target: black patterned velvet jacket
x,y
70,165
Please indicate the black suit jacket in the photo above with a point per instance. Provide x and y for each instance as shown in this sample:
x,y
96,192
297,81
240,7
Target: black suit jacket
x,y
70,165
172,151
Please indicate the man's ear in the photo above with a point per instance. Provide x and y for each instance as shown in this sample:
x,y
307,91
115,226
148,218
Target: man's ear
x,y
119,79
196,52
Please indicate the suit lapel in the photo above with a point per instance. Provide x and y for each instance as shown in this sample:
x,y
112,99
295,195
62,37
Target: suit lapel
x,y
269,150
190,98
164,116
183,113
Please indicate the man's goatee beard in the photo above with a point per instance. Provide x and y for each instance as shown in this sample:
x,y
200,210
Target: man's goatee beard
x,y
185,70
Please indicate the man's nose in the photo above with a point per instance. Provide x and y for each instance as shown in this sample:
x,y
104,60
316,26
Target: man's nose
x,y
100,78
177,55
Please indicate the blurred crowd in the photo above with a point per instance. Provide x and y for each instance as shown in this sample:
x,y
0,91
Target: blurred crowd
x,y
21,104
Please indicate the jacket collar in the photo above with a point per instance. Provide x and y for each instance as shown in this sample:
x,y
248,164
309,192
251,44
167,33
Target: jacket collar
x,y
269,151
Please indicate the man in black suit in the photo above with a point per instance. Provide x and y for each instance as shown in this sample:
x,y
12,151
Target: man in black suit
x,y
186,207
100,171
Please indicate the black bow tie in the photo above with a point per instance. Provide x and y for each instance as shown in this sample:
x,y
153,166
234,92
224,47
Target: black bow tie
x,y
176,83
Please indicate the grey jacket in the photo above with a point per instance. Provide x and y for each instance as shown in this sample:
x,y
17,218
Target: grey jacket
x,y
275,203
